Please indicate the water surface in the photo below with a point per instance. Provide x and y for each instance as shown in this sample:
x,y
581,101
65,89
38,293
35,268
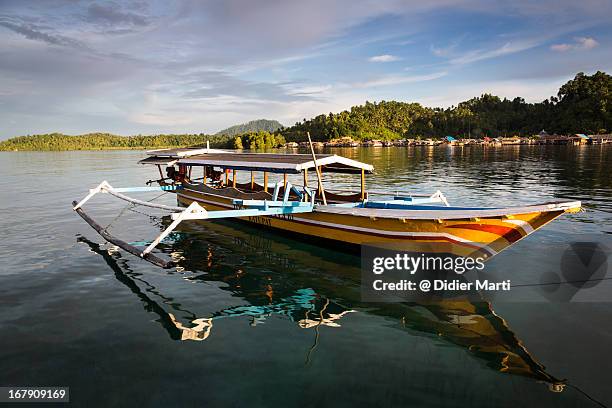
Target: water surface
x,y
252,318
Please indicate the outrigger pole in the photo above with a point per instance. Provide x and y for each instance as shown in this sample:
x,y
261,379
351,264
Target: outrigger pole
x,y
242,208
121,244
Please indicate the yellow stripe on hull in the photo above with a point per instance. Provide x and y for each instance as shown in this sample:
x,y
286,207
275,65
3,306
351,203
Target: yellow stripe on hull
x,y
485,236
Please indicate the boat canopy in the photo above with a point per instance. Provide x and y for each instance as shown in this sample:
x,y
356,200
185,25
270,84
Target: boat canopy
x,y
270,162
184,152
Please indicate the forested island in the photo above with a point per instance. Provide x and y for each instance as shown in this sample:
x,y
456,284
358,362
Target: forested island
x,y
107,141
582,105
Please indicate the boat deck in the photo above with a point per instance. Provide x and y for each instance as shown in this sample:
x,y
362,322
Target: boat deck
x,y
423,212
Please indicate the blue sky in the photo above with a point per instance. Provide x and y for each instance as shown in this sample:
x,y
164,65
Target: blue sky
x,y
199,66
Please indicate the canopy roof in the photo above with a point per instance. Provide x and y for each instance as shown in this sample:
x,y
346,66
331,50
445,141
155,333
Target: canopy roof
x,y
184,152
271,162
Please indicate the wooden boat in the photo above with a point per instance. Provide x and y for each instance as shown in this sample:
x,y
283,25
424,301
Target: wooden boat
x,y
353,218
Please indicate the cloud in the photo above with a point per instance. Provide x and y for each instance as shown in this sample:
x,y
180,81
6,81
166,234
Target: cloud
x,y
580,43
506,49
213,83
587,42
561,47
32,32
384,58
111,14
396,80
442,52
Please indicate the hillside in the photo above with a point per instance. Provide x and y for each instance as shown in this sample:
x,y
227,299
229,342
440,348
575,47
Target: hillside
x,y
582,105
265,125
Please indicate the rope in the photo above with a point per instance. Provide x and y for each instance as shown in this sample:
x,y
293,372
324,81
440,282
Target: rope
x,y
560,283
587,395
131,205
155,198
316,341
143,213
144,203
117,217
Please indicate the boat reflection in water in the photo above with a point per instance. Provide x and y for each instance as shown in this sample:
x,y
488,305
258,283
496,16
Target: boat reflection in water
x,y
301,308
299,284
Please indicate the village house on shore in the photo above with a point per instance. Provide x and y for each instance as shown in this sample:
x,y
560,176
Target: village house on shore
x,y
542,138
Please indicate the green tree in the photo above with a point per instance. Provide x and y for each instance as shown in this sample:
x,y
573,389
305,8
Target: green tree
x,y
237,143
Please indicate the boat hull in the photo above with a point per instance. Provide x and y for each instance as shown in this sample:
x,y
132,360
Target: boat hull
x,y
472,236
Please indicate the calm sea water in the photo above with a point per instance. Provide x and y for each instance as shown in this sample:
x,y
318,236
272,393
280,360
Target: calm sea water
x,y
255,319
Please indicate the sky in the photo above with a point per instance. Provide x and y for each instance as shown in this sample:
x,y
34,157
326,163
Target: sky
x,y
186,66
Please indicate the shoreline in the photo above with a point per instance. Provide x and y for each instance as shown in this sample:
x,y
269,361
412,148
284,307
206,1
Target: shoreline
x,y
324,146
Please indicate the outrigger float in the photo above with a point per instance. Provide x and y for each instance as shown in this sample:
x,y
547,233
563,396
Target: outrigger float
x,y
348,217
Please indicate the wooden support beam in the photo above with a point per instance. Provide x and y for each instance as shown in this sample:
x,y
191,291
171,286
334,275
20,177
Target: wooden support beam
x,y
234,178
226,177
285,180
203,174
161,174
266,181
305,177
252,180
362,184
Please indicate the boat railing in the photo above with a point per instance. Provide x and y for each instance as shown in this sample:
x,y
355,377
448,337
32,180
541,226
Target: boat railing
x,y
385,193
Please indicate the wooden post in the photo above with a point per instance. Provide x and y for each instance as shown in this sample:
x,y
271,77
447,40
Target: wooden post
x,y
252,180
234,178
320,190
266,181
203,174
226,177
362,184
314,159
285,180
305,177
161,174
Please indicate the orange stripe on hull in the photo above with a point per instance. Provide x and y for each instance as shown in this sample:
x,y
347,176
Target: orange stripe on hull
x,y
510,234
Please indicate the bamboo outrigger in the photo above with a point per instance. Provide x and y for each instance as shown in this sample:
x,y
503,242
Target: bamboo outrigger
x,y
351,218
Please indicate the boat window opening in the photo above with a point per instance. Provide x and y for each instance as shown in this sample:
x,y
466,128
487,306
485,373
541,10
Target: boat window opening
x,y
182,173
171,173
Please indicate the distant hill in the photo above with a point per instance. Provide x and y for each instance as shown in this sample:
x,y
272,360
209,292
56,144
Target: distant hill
x,y
252,126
